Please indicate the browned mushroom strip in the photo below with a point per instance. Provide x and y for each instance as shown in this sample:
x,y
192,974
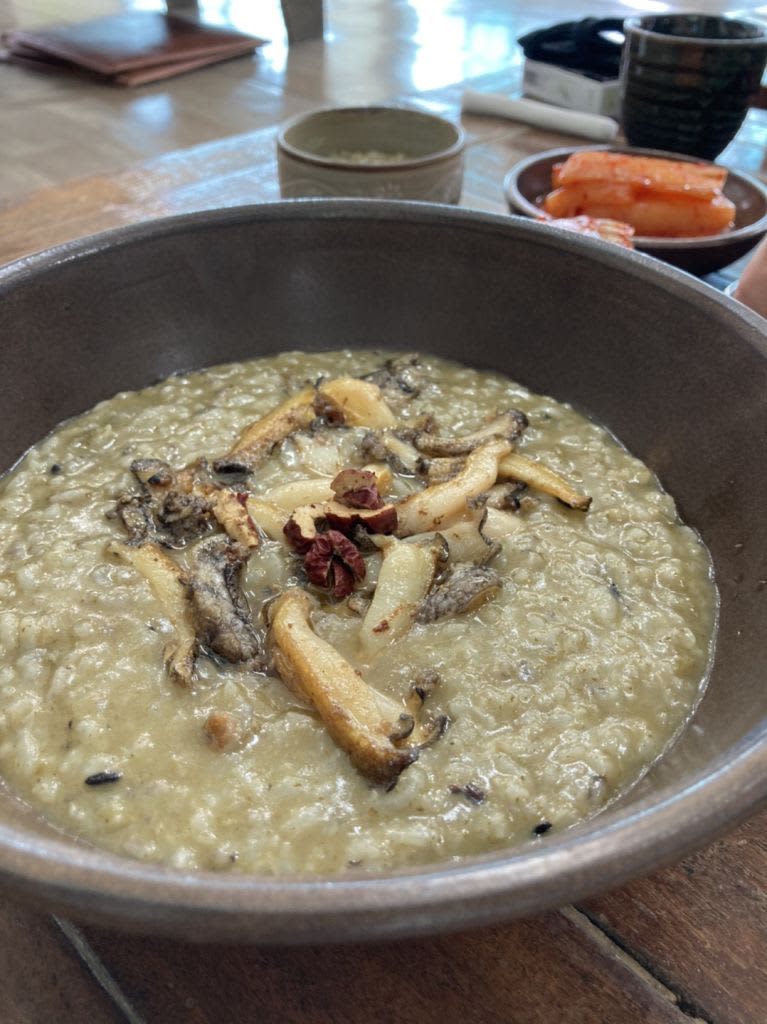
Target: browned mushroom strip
x,y
194,478
268,517
503,496
499,524
467,541
404,579
167,512
465,589
349,708
183,517
258,440
136,512
440,504
508,425
169,586
359,402
192,498
220,612
540,477
400,453
232,515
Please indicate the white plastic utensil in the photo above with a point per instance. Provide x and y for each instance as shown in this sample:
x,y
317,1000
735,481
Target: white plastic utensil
x,y
541,115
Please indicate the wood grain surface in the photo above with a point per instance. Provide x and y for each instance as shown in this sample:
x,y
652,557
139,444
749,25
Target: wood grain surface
x,y
701,926
42,978
557,967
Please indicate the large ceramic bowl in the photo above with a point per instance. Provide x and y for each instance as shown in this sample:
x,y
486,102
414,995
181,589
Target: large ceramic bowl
x,y
528,182
673,368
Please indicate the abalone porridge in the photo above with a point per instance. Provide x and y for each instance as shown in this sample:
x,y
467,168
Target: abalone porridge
x,y
351,609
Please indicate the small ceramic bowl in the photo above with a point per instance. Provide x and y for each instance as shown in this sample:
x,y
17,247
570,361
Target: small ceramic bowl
x,y
528,182
375,152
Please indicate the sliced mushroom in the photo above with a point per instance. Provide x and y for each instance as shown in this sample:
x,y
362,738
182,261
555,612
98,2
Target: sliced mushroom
x,y
535,474
169,585
166,512
394,448
359,403
437,471
268,517
136,512
183,517
383,475
400,377
423,687
404,579
152,472
509,425
220,612
300,492
358,603
260,438
400,453
499,524
502,496
318,489
464,590
428,728
467,541
231,511
372,446
350,709
194,478
440,504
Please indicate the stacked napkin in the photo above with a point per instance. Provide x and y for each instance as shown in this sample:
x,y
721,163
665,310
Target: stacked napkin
x,y
128,49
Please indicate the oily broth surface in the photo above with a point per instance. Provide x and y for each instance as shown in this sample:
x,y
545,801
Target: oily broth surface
x,y
561,690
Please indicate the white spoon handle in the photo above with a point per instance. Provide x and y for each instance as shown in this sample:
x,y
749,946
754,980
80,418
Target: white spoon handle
x,y
541,115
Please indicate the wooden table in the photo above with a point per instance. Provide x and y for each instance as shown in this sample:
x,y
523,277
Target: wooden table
x,y
686,944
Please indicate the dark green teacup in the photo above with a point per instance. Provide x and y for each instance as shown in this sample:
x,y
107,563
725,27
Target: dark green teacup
x,y
687,80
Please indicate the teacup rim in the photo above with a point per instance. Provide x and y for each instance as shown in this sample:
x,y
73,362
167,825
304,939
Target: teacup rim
x,y
634,24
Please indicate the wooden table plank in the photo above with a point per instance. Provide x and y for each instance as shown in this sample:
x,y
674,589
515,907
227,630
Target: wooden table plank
x,y
702,925
42,981
557,967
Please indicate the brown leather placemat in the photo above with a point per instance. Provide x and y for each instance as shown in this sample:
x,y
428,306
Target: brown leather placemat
x,y
130,48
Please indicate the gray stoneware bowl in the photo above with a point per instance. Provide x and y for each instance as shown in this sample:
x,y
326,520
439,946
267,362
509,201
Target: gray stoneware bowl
x,y
528,182
676,370
371,152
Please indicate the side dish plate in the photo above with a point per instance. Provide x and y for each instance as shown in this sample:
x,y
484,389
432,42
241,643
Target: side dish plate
x,y
528,182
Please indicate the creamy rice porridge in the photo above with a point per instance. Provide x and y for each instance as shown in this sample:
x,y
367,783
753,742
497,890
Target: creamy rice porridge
x,y
522,662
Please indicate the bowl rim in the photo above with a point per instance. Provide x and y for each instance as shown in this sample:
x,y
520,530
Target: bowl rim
x,y
656,829
519,203
287,148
